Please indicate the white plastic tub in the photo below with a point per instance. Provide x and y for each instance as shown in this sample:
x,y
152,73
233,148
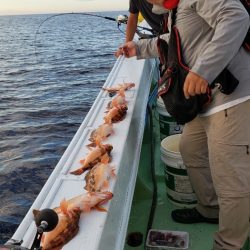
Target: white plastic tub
x,y
168,125
178,186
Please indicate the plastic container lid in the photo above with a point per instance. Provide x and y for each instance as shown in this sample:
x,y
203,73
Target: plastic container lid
x,y
166,239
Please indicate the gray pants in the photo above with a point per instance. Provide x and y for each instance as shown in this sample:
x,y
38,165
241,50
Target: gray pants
x,y
215,150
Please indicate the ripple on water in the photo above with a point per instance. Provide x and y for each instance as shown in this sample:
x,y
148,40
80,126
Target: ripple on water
x,y
47,86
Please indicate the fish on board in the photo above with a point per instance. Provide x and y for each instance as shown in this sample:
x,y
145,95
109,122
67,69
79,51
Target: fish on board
x,y
96,154
118,100
69,215
115,89
97,179
116,114
101,133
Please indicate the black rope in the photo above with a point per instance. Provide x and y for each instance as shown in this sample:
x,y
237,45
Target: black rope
x,y
150,105
153,174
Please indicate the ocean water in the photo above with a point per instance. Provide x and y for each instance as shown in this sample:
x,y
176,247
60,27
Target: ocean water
x,y
50,74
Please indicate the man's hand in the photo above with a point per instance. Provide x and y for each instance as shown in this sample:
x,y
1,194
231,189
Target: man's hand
x,y
128,50
119,52
194,85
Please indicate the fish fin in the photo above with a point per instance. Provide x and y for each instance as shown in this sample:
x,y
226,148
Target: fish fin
x,y
122,92
105,184
108,89
98,140
107,119
64,206
110,158
78,171
92,135
86,208
112,130
115,103
101,209
109,106
105,158
82,161
91,145
35,212
113,174
110,134
108,123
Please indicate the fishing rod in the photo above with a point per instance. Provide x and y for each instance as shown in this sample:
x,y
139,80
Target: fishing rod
x,y
121,19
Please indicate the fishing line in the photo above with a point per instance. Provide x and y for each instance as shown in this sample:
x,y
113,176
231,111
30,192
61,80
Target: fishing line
x,y
119,20
75,13
39,41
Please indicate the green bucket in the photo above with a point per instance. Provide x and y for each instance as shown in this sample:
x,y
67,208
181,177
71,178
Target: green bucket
x,y
168,125
178,187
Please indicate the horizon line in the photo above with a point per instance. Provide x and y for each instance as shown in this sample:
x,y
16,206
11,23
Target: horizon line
x,y
52,12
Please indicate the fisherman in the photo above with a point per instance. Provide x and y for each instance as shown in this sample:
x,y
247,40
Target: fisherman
x,y
145,8
214,145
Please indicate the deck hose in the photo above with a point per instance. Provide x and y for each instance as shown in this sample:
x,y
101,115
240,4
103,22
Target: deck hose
x,y
152,161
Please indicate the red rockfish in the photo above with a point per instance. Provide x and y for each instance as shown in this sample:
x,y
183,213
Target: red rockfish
x,y
95,155
69,214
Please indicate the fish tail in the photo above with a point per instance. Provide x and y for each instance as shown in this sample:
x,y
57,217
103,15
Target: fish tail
x,y
78,171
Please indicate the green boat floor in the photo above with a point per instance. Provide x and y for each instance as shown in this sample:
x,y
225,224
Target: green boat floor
x,y
200,234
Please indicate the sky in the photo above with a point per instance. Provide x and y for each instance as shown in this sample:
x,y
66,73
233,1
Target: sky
x,y
15,7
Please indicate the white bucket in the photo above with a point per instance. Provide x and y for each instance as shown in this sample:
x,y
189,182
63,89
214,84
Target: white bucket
x,y
179,189
168,125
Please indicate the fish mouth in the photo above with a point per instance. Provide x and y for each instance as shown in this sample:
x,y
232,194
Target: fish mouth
x,y
105,196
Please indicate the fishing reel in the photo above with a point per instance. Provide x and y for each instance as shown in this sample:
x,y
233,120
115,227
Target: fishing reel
x,y
122,19
46,220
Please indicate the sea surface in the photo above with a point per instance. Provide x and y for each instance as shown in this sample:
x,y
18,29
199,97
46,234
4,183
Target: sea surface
x,y
51,70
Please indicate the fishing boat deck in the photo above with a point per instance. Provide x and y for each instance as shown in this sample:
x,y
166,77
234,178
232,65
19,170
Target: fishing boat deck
x,y
200,234
104,231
